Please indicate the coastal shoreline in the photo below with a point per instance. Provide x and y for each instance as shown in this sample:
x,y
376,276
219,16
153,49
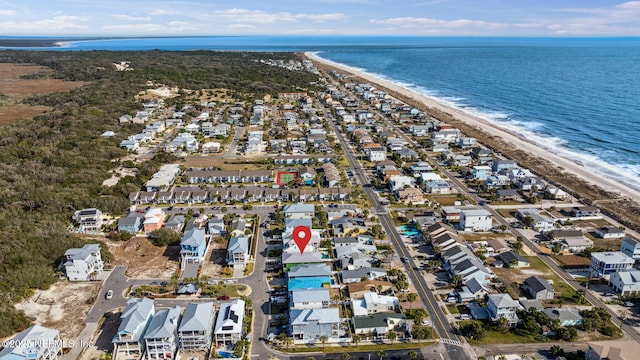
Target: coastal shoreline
x,y
567,165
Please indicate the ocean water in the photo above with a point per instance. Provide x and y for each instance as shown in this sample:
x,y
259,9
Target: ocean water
x,y
578,97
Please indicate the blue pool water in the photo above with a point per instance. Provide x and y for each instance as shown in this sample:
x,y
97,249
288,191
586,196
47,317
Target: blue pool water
x,y
313,282
225,354
409,230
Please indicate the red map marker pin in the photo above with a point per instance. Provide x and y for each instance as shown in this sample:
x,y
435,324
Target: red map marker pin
x,y
302,236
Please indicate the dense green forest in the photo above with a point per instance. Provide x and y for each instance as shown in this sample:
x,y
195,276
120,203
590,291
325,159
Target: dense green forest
x,y
56,162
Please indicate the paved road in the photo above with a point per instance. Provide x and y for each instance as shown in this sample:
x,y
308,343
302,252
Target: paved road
x,y
439,320
231,152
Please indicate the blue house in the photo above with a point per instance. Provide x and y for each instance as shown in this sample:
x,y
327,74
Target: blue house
x,y
192,247
131,223
499,165
481,172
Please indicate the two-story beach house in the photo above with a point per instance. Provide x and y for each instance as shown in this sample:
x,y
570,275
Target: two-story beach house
x,y
161,337
193,247
196,327
631,248
475,220
308,325
89,220
34,343
502,306
228,328
128,343
238,251
83,263
603,264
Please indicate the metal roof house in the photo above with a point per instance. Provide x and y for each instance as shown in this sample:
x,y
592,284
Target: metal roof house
x,y
34,343
228,328
129,342
161,337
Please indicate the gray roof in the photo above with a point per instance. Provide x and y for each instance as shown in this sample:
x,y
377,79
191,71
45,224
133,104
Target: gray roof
x,y
531,303
310,295
563,314
164,323
502,300
197,317
360,273
238,245
375,320
299,208
175,221
345,240
511,256
26,343
538,284
83,252
306,270
193,237
322,316
136,312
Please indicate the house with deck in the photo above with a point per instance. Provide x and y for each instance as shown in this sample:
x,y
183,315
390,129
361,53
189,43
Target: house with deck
x,y
238,251
35,343
83,264
228,328
161,337
196,327
128,343
193,247
308,325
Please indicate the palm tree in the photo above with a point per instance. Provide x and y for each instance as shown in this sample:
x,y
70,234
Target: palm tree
x,y
382,354
345,356
355,339
323,340
393,336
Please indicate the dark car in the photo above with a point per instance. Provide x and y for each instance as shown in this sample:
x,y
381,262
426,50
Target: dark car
x,y
223,297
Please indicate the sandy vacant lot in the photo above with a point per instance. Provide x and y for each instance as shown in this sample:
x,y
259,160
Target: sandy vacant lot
x,y
143,259
63,306
15,89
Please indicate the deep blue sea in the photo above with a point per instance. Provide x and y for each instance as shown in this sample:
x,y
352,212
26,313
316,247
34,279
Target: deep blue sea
x,y
578,97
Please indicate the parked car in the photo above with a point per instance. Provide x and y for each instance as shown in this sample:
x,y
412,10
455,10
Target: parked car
x,y
109,295
223,297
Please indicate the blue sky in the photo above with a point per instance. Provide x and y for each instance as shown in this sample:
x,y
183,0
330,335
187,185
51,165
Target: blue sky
x,y
320,17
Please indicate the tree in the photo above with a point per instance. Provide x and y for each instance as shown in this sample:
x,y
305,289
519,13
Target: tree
x,y
556,350
323,340
473,330
163,237
355,338
285,340
345,356
413,355
419,315
393,336
382,354
517,246
411,297
503,325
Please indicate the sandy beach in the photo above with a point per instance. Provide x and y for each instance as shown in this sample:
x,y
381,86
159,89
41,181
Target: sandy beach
x,y
567,165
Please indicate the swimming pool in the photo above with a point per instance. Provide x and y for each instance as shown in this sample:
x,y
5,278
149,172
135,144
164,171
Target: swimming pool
x,y
312,282
408,230
225,354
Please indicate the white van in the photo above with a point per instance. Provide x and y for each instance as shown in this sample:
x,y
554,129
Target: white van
x,y
464,317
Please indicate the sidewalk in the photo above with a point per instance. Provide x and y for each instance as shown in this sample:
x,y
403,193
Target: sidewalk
x,y
81,343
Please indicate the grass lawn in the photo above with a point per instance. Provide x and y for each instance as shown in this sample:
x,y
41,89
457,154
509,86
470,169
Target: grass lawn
x,y
507,213
446,200
453,309
562,289
496,337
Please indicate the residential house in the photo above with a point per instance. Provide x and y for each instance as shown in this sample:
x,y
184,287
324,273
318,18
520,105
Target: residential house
x,y
440,187
238,251
228,328
372,303
577,244
411,195
584,211
331,175
193,247
625,282
131,223
610,232
556,193
153,220
481,172
377,154
511,259
473,290
164,197
308,325
631,248
370,273
538,288
377,325
238,227
299,211
612,350
215,227
88,220
128,341
475,220
502,306
161,337
499,165
446,241
535,220
359,289
175,223
196,327
34,343
309,298
83,264
603,264
508,195
568,316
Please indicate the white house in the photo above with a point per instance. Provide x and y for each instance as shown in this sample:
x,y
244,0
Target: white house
x,y
310,298
373,303
502,306
603,264
228,328
161,337
89,220
299,211
625,282
475,220
34,343
377,154
196,327
83,264
238,251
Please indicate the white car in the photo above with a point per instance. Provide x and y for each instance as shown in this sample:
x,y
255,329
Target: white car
x,y
109,295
